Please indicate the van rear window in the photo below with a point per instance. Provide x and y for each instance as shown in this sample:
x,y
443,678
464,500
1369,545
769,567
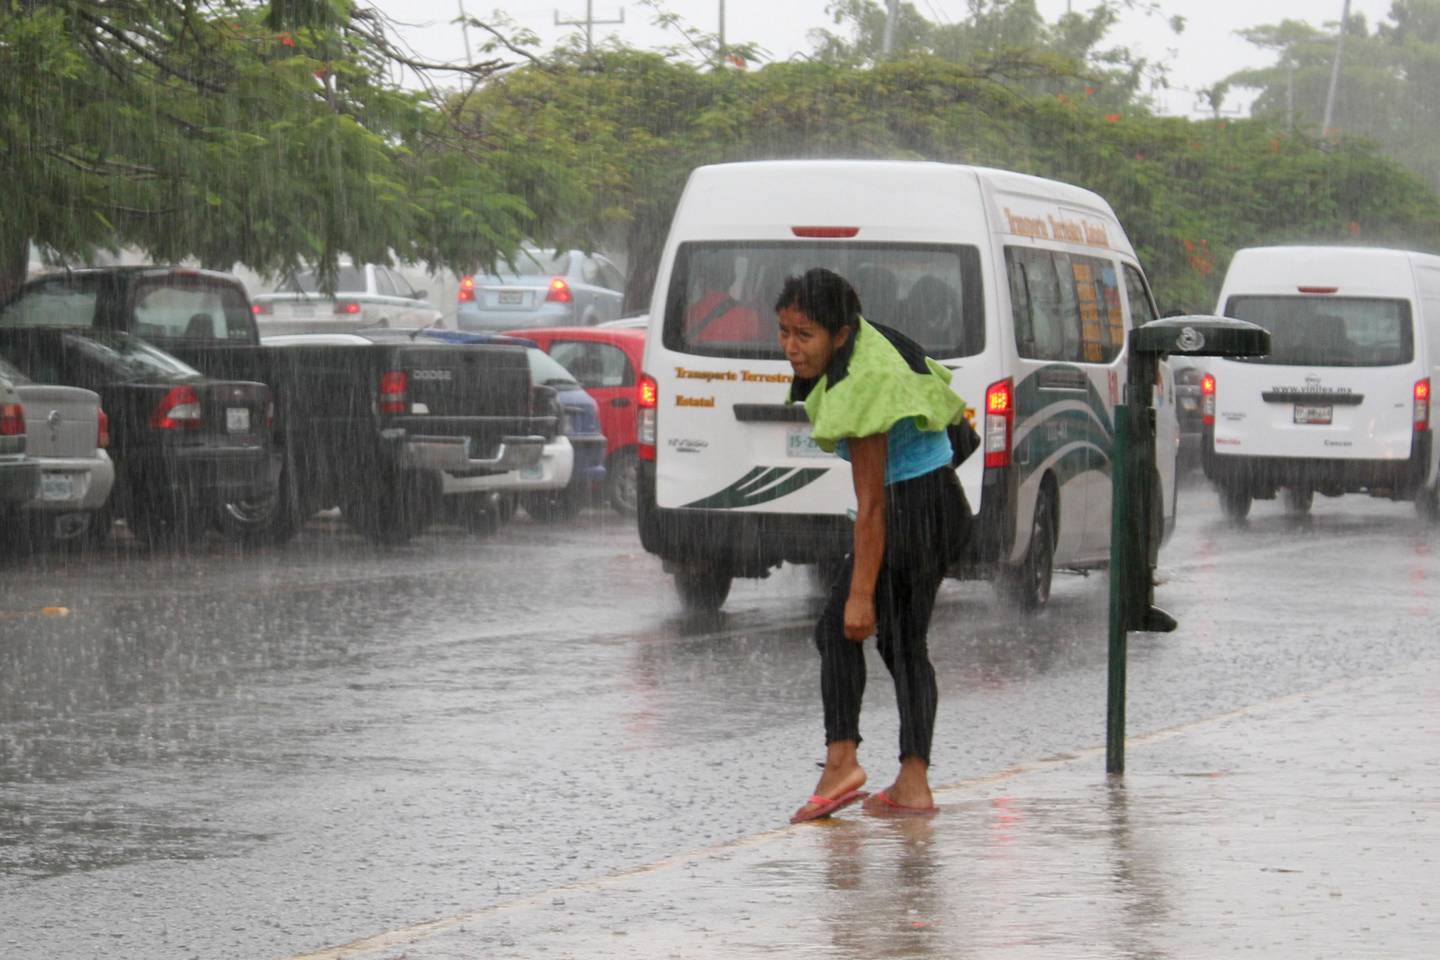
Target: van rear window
x,y
722,295
1330,331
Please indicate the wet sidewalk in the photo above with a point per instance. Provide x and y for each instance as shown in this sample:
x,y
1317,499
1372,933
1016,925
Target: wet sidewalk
x,y
1303,827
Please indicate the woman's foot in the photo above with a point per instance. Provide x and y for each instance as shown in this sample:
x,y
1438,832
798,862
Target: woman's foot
x,y
909,794
842,777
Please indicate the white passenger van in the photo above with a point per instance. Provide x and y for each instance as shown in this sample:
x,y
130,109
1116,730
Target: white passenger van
x,y
1342,402
1024,287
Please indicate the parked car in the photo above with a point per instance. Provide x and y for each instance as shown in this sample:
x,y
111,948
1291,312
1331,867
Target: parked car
x,y
66,433
367,295
606,360
183,444
581,426
542,289
19,475
368,425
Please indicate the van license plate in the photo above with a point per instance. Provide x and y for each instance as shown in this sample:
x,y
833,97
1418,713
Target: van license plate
x,y
237,419
512,296
1313,413
57,486
798,443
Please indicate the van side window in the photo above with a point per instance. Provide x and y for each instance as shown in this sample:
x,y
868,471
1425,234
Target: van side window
x,y
1065,307
1142,310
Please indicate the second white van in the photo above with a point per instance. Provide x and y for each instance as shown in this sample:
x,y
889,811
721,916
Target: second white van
x,y
1342,402
1025,288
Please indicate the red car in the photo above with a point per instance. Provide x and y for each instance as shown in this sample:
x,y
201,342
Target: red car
x,y
606,361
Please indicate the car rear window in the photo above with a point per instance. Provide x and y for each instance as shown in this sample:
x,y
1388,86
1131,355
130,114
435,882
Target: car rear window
x,y
347,280
194,309
62,302
533,263
1330,331
722,295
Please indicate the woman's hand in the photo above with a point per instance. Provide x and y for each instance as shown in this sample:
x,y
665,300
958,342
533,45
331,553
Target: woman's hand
x,y
859,617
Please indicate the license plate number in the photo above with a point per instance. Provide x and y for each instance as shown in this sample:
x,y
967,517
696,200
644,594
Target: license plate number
x,y
237,419
57,486
798,443
512,296
304,310
1318,413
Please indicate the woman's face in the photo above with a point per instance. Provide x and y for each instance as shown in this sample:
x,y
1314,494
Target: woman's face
x,y
807,345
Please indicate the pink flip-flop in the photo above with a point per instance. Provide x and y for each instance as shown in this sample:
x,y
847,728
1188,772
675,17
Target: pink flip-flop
x,y
824,806
881,805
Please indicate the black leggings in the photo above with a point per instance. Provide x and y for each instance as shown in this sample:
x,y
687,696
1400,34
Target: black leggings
x,y
925,525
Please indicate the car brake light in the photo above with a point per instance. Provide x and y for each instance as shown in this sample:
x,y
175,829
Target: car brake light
x,y
559,291
647,402
347,306
1422,404
178,410
1207,400
394,385
1318,289
999,422
825,233
12,420
466,293
261,309
102,434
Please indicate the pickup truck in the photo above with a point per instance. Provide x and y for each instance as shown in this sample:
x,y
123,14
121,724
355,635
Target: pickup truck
x,y
366,428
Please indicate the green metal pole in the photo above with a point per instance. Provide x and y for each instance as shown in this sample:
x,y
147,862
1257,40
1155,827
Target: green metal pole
x,y
1120,573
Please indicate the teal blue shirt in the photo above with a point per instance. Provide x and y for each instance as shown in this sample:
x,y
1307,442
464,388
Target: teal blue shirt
x,y
909,451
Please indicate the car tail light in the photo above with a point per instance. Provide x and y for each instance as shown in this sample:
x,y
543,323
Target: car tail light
x,y
394,387
559,291
647,402
349,307
466,294
261,309
102,433
1422,404
999,422
825,233
12,420
179,410
1207,400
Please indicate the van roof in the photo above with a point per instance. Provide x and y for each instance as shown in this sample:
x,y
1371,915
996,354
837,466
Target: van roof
x,y
921,200
1358,271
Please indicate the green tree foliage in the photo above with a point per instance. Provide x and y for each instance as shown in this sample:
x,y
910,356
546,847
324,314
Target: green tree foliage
x,y
1388,81
631,126
230,132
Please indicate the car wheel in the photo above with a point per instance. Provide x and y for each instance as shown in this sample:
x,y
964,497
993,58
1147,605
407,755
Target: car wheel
x,y
272,519
1427,505
1028,585
478,513
553,506
394,513
1235,503
1298,500
703,589
622,482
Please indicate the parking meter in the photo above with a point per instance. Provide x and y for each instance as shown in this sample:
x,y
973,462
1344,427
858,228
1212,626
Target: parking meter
x,y
1137,507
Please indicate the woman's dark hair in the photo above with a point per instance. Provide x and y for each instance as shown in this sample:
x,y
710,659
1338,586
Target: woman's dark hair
x,y
824,296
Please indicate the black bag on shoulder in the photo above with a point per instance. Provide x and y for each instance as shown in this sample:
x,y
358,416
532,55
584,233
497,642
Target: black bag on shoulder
x,y
964,440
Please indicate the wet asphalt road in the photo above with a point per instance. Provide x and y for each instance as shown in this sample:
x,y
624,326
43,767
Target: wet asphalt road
x,y
261,755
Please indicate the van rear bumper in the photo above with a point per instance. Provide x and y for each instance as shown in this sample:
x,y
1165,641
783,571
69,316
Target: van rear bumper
x,y
1261,475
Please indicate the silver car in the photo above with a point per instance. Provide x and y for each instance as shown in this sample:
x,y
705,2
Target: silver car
x,y
544,289
66,434
366,296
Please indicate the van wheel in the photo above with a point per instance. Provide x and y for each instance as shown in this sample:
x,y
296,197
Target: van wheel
x,y
1298,500
1427,505
704,589
622,482
1028,585
1235,503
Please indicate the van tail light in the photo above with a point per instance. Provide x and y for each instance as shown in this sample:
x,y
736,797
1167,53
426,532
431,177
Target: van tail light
x,y
347,307
999,422
394,390
466,293
825,233
647,404
102,432
1422,404
1207,400
178,410
12,420
559,291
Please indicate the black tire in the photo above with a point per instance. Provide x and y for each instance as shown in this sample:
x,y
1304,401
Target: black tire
x,y
1235,503
1427,505
1298,500
1028,585
478,513
553,506
272,519
622,482
393,514
703,590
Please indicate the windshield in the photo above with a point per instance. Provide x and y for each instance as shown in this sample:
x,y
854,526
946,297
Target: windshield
x,y
721,298
546,370
347,280
130,357
1329,331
